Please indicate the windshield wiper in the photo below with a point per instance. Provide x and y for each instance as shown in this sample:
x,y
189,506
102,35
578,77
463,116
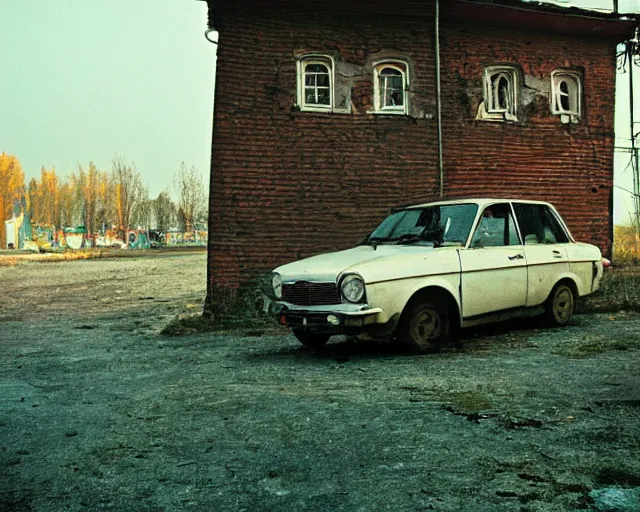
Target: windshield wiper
x,y
424,236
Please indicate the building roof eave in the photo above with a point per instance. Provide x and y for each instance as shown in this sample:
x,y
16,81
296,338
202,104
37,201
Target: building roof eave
x,y
543,17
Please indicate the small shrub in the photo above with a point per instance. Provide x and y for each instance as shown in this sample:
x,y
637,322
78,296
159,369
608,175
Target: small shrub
x,y
588,347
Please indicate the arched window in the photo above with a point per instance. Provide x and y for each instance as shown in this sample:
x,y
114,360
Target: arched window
x,y
566,92
315,83
501,93
390,88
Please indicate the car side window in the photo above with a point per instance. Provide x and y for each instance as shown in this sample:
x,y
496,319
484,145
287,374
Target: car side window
x,y
538,224
496,228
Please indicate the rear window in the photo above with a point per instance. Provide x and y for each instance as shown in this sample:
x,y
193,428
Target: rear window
x,y
539,225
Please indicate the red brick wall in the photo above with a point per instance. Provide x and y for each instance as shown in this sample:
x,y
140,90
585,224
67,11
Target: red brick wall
x,y
539,157
287,184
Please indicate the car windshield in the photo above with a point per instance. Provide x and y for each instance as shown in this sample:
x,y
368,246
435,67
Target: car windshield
x,y
434,225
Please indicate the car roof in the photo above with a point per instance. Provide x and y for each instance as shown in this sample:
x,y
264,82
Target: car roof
x,y
484,201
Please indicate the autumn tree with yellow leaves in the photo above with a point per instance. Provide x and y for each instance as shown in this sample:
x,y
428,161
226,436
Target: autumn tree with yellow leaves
x,y
11,189
43,198
129,191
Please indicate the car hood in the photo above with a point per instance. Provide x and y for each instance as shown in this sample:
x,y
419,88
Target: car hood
x,y
326,267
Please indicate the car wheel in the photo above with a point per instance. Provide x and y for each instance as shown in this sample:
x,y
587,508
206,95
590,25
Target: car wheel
x,y
425,327
311,340
560,305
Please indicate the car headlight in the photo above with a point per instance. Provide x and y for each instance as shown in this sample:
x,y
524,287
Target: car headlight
x,y
352,288
276,282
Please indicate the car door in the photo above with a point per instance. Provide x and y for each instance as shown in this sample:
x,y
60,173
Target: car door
x,y
545,249
494,272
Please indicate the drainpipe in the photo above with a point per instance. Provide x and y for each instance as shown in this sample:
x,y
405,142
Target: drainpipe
x,y
438,97
206,35
207,311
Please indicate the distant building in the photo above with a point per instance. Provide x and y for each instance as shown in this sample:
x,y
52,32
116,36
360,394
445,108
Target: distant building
x,y
326,114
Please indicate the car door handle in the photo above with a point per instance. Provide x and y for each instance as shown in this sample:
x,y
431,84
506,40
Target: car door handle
x,y
516,257
556,254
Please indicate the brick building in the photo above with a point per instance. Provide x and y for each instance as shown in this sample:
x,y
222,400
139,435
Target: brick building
x,y
326,115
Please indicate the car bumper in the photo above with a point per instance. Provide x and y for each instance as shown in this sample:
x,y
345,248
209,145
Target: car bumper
x,y
339,319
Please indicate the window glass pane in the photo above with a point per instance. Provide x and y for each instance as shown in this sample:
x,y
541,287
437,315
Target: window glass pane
x,y
317,84
390,72
564,87
565,103
448,223
324,96
496,228
503,92
408,224
513,232
395,92
531,227
382,91
316,68
322,80
552,229
538,225
310,96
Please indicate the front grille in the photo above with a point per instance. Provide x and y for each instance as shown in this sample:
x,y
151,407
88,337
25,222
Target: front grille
x,y
304,293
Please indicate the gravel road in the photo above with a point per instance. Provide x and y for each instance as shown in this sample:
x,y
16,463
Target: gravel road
x,y
98,411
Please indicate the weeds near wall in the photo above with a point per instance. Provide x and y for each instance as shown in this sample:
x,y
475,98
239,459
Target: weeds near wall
x,y
626,245
619,290
229,309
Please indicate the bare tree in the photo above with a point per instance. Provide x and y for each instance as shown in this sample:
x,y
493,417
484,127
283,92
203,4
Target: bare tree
x,y
89,192
164,210
191,198
128,190
141,215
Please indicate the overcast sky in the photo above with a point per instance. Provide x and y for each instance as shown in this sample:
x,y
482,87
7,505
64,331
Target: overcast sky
x,y
85,79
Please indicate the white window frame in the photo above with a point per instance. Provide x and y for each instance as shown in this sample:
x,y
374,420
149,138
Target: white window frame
x,y
493,112
403,68
310,60
573,79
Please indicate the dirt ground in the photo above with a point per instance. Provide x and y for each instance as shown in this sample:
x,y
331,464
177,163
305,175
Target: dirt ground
x,y
98,411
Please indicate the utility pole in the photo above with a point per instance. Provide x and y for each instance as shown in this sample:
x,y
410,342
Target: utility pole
x,y
631,58
631,53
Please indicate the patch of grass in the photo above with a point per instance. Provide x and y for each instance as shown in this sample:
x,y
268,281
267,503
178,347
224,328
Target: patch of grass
x,y
626,246
619,290
196,323
9,258
591,346
469,401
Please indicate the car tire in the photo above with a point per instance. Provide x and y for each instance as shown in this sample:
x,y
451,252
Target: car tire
x,y
425,327
311,340
559,306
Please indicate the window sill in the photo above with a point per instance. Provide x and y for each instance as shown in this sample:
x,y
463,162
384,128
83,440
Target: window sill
x,y
568,118
319,110
315,109
387,113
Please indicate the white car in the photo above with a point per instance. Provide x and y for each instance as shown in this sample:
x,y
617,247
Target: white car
x,y
432,268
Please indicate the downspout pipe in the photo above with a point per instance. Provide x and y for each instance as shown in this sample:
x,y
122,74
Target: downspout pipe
x,y
206,35
438,97
207,311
